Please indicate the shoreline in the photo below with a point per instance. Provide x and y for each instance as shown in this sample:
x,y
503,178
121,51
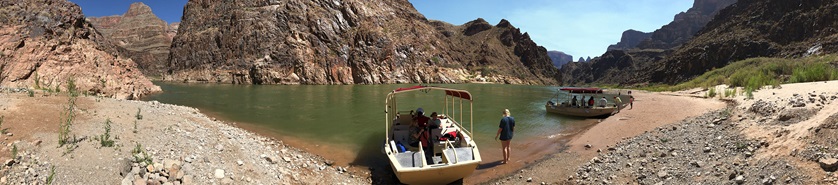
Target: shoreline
x,y
189,147
201,144
558,167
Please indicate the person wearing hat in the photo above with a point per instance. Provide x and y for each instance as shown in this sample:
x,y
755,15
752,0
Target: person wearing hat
x,y
420,133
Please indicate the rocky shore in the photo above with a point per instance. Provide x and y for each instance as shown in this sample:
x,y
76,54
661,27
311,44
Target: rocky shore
x,y
151,143
784,135
720,147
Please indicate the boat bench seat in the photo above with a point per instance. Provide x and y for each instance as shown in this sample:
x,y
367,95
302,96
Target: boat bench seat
x,y
414,159
463,154
410,159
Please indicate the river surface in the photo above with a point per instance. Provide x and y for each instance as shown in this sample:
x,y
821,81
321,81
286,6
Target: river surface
x,y
346,123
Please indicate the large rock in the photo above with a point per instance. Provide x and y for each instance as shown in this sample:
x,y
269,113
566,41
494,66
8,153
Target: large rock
x,y
828,164
145,38
346,42
45,43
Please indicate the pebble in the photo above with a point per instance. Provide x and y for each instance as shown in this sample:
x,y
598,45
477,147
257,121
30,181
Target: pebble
x,y
739,179
239,162
219,174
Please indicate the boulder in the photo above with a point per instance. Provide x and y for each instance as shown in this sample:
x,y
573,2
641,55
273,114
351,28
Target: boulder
x,y
828,164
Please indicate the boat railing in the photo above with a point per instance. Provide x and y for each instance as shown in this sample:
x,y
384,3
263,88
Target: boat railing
x,y
463,129
451,146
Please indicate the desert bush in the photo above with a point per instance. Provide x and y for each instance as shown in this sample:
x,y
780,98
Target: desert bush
x,y
105,139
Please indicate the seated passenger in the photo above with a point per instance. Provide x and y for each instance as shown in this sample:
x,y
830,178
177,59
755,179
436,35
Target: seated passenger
x,y
435,122
573,101
420,118
591,101
603,101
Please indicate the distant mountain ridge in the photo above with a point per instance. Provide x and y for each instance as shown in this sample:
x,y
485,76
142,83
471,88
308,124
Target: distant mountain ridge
x,y
559,58
347,42
629,40
143,36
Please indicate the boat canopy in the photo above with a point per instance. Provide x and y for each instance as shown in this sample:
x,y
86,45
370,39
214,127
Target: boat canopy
x,y
582,90
450,92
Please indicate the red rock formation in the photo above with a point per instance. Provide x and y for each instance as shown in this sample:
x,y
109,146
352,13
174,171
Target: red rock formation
x,y
44,43
145,38
345,42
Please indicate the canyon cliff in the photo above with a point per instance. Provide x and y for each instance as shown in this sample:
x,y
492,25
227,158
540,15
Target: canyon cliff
x,y
347,42
627,64
746,29
44,43
142,36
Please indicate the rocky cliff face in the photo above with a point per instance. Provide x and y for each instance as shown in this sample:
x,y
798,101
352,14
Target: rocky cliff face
x,y
43,43
346,42
559,58
747,29
143,37
637,60
752,28
685,24
629,40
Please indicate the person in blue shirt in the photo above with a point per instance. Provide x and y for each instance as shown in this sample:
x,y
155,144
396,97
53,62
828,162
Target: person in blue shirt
x,y
505,130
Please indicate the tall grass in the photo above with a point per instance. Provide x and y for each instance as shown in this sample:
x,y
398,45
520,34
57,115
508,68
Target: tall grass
x,y
755,73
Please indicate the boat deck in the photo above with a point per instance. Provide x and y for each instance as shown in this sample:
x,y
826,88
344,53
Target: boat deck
x,y
414,159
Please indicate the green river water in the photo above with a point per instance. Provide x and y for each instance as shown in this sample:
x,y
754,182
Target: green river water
x,y
346,122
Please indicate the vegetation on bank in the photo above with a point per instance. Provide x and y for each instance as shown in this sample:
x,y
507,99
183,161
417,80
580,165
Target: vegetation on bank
x,y
754,73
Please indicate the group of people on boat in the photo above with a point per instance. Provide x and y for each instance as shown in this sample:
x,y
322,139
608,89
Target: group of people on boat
x,y
422,131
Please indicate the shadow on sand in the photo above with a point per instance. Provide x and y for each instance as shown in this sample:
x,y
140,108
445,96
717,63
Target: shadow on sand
x,y
489,165
371,156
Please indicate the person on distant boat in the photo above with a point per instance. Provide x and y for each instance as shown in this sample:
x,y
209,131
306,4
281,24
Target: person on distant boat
x,y
603,101
573,101
591,101
505,130
617,103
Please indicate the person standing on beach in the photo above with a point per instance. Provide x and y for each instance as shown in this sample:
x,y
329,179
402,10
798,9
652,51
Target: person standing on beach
x,y
631,101
505,130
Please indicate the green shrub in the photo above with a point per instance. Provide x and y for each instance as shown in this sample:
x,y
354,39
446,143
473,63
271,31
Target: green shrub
x,y
51,177
3,130
67,117
72,90
140,154
31,92
754,73
14,151
712,92
105,139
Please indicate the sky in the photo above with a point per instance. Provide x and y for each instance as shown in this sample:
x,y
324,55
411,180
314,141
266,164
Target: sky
x,y
580,28
168,10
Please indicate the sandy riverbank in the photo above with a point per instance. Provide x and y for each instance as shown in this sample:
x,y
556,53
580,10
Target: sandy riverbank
x,y
651,110
186,147
781,136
